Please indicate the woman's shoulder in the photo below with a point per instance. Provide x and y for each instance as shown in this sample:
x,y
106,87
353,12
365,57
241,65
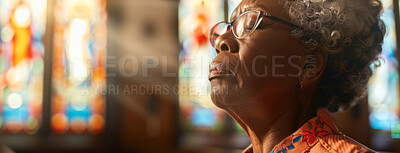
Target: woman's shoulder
x,y
341,144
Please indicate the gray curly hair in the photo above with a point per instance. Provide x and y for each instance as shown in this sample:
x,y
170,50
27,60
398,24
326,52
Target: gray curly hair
x,y
351,33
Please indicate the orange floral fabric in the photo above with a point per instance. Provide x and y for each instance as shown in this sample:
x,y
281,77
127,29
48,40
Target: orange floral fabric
x,y
318,135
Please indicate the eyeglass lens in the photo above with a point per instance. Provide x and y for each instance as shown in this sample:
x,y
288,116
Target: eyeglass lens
x,y
242,26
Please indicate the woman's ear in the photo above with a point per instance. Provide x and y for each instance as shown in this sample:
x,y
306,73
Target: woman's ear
x,y
313,67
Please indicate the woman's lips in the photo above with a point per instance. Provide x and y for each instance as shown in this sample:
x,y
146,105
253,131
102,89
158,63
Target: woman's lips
x,y
219,70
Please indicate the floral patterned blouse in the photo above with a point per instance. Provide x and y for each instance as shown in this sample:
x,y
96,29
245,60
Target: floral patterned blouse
x,y
318,135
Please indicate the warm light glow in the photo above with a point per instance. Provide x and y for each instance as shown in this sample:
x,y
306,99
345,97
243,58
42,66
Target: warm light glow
x,y
97,104
75,50
14,126
22,16
17,75
59,123
78,125
379,86
386,4
96,123
77,31
7,34
22,27
74,44
79,72
14,100
78,27
80,36
13,77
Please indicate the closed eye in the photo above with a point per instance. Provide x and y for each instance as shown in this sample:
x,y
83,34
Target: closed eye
x,y
264,25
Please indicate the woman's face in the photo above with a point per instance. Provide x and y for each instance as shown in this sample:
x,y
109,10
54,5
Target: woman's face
x,y
264,65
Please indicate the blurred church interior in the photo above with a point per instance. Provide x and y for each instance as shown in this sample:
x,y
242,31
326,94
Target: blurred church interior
x,y
131,76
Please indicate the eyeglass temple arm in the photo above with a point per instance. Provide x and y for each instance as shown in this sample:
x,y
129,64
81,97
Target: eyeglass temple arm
x,y
280,20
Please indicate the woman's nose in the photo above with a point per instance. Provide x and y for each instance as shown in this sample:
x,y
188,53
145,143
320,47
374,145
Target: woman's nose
x,y
226,43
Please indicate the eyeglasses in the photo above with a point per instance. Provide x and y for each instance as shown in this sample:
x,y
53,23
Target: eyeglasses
x,y
243,25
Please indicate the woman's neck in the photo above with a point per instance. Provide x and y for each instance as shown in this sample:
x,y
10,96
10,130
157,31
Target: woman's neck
x,y
264,141
265,131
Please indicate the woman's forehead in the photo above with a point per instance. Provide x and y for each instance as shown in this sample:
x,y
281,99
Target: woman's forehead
x,y
270,6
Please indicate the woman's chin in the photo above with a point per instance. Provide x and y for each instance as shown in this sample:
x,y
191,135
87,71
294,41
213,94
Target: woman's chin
x,y
223,92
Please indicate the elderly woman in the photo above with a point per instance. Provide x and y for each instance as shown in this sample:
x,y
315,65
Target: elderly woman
x,y
280,62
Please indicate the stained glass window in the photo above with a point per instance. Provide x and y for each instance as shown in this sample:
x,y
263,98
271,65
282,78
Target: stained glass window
x,y
195,21
22,26
384,85
395,126
79,73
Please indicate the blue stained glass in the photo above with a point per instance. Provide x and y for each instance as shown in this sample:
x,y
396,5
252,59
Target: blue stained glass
x,y
20,114
83,113
203,117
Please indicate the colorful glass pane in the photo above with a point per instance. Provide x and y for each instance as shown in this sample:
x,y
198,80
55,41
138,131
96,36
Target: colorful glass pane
x,y
196,17
395,126
22,26
384,85
79,75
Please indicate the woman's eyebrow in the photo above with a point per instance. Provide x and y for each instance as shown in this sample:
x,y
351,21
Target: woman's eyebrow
x,y
253,8
235,14
239,11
